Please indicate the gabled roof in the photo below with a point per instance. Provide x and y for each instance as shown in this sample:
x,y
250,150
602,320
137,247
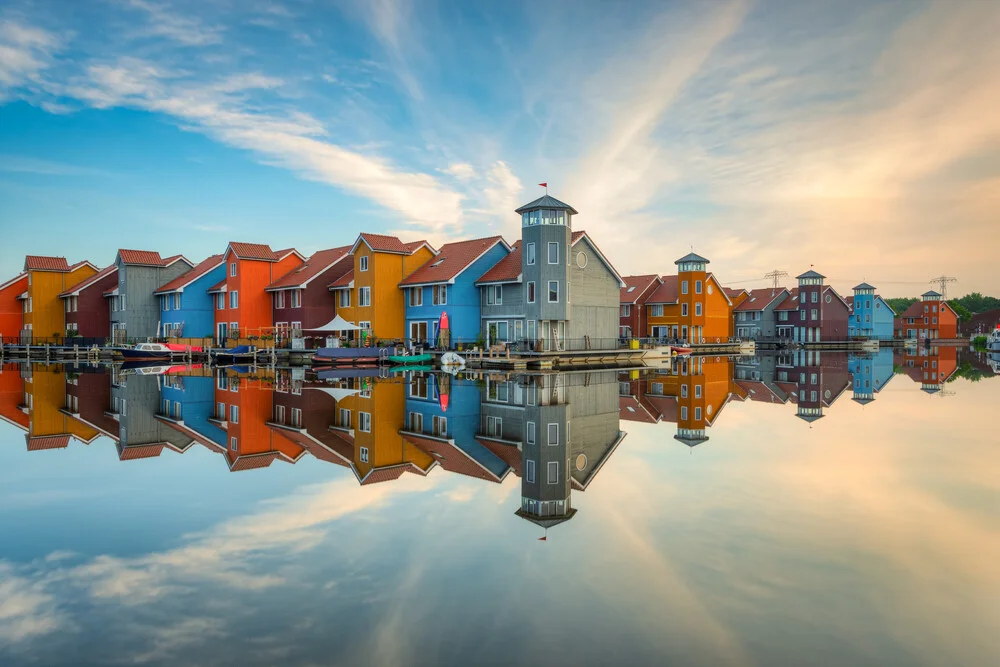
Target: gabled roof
x,y
545,201
810,274
836,294
665,293
389,244
452,259
507,270
39,443
916,309
41,263
691,257
218,287
14,280
931,293
259,251
180,282
253,461
346,279
89,282
580,235
791,301
318,263
759,299
455,459
636,286
733,292
142,257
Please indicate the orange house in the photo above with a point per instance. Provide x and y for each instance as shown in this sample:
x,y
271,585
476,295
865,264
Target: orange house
x,y
48,277
11,307
242,307
377,304
51,418
931,317
243,408
691,306
12,396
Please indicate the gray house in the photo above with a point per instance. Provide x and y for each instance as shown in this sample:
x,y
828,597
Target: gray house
x,y
755,317
556,432
135,310
136,403
556,290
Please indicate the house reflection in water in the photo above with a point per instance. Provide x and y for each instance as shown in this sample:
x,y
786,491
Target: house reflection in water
x,y
930,366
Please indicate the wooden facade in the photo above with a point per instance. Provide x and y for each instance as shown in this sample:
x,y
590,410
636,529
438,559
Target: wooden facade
x,y
87,310
250,268
12,307
48,277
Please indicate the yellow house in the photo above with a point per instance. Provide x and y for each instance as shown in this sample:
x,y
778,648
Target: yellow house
x,y
48,277
50,419
376,303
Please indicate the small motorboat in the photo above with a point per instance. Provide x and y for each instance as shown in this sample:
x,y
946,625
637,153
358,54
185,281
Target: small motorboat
x,y
993,340
452,359
148,352
350,356
232,354
407,359
681,351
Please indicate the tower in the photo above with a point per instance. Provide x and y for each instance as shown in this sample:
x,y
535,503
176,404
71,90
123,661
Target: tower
x,y
863,315
807,329
692,274
546,228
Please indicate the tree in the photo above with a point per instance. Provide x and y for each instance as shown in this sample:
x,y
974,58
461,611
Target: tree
x,y
900,304
963,313
976,303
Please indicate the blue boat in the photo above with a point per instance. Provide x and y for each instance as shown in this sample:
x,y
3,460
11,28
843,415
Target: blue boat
x,y
351,356
232,354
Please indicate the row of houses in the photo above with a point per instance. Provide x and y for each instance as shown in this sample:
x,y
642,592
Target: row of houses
x,y
693,306
554,287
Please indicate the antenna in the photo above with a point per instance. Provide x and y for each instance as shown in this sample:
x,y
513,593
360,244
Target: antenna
x,y
775,276
942,282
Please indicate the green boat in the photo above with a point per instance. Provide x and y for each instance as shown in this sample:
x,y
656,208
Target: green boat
x,y
411,358
411,369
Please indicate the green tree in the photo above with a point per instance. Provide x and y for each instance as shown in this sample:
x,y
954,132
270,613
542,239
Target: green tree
x,y
900,304
976,303
963,313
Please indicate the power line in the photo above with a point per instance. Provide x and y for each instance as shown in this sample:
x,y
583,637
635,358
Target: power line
x,y
943,282
775,276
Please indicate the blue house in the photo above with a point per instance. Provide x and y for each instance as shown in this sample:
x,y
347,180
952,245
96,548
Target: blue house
x,y
447,284
869,373
187,310
871,316
442,419
187,404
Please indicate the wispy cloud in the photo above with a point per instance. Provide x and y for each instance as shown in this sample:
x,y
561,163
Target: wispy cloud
x,y
163,22
25,51
30,165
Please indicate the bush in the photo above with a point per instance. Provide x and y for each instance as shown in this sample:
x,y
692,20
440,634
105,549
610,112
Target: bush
x,y
979,341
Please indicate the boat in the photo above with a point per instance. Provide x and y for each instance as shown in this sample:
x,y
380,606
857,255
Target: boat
x,y
148,352
176,347
411,369
350,356
452,359
993,340
681,350
406,359
238,352
155,367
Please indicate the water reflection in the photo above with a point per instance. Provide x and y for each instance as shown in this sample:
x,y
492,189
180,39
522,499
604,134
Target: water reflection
x,y
227,537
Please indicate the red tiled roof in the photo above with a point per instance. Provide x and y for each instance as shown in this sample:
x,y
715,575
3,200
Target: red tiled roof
x,y
791,302
217,287
760,299
89,282
139,452
665,293
635,286
450,457
46,442
13,281
414,246
666,406
284,252
345,279
259,251
318,263
637,413
378,475
143,257
508,453
40,263
506,270
76,266
451,260
253,461
383,243
188,277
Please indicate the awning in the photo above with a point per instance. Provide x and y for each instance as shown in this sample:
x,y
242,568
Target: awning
x,y
337,393
336,324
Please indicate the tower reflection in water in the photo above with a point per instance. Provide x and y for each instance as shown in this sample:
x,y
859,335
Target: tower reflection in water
x,y
555,431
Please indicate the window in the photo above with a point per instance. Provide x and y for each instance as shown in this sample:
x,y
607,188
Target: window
x,y
684,310
177,301
656,311
364,455
164,303
553,434
440,295
684,412
365,422
529,471
279,414
440,426
416,296
234,300
684,391
697,287
297,417
416,422
232,443
345,298
363,262
531,291
697,391
684,287
494,295
813,314
232,269
552,474
220,301
553,252
697,414
581,260
494,427
296,299
364,296
529,433
626,310
121,298
553,291
814,297
234,414
697,309
297,327
344,418
530,254
279,299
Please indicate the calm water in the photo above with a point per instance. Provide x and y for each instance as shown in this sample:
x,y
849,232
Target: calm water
x,y
775,511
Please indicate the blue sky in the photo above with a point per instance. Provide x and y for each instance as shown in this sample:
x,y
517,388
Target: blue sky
x,y
854,136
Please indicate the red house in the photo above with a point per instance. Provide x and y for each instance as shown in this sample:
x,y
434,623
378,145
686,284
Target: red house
x,y
87,310
823,314
929,318
301,299
11,308
632,303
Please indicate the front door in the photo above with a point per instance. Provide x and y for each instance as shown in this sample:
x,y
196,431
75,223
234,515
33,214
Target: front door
x,y
418,333
222,331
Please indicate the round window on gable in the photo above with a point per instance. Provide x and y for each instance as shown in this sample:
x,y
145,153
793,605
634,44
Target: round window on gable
x,y
710,290
829,298
581,460
581,260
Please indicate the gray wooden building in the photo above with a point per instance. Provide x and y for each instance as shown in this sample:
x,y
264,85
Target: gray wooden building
x,y
135,310
755,318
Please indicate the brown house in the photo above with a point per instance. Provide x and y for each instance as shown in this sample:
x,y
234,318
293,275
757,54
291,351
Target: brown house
x,y
87,310
301,299
632,303
823,314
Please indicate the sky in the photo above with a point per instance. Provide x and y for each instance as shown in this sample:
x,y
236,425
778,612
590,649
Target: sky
x,y
861,139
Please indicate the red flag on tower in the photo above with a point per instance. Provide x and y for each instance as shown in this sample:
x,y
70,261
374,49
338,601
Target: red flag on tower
x,y
544,185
